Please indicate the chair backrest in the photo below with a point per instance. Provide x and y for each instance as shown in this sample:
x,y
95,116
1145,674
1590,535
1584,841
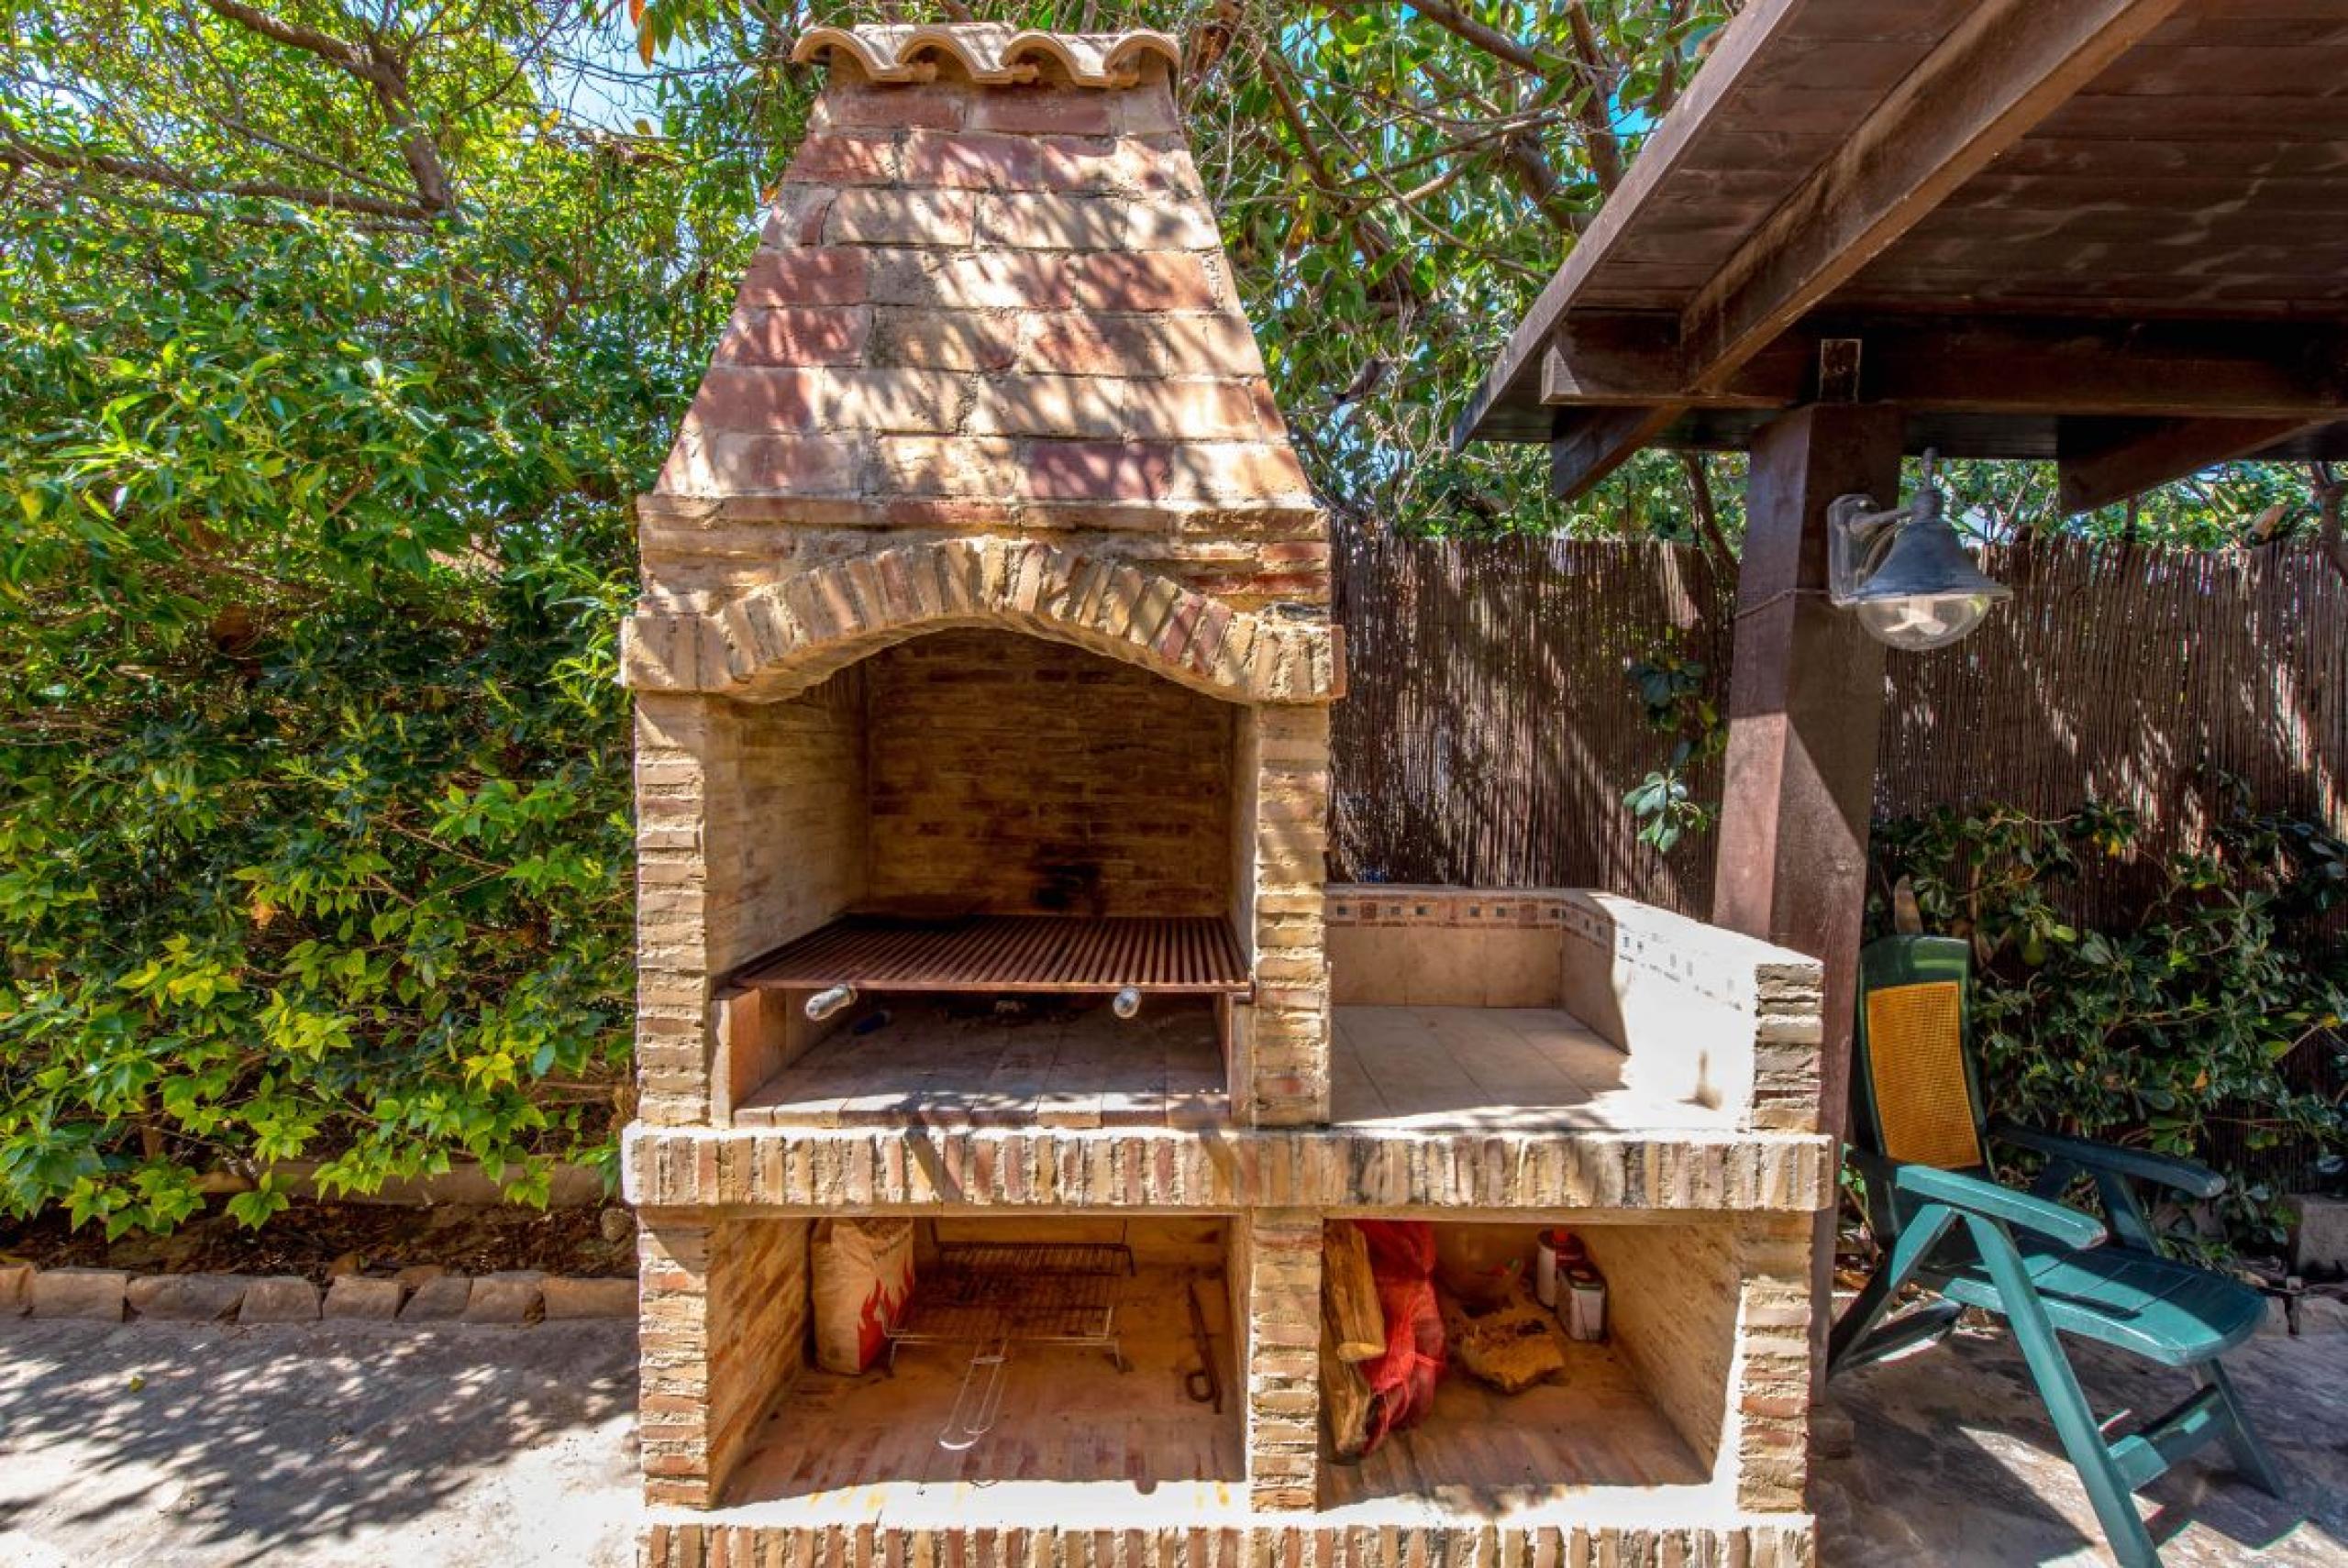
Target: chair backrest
x,y
1913,1096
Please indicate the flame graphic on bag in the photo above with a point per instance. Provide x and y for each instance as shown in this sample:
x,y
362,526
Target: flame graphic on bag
x,y
863,1273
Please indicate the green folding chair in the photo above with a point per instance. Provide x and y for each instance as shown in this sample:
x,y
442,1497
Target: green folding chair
x,y
1945,1224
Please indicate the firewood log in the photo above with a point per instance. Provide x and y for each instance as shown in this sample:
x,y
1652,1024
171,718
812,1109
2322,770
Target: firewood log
x,y
1348,1399
1349,1294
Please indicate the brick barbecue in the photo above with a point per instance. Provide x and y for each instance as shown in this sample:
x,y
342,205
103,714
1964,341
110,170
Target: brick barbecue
x,y
983,667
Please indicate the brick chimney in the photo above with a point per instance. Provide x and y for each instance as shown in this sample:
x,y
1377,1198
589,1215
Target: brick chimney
x,y
987,372
990,302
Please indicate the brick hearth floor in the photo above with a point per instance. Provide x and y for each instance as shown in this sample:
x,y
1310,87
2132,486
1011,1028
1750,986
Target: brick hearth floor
x,y
1072,1065
1043,1062
1481,1455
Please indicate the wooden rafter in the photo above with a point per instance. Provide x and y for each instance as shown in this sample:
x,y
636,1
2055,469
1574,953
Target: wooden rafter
x,y
1997,365
1593,442
2145,459
2005,66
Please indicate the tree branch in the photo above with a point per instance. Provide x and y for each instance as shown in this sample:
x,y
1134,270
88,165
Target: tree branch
x,y
1708,519
1666,81
1376,244
1592,108
2329,493
292,34
21,154
303,155
1520,155
383,71
1491,40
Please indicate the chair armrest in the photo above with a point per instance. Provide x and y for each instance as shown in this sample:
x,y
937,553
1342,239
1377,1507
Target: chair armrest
x,y
2188,1176
1971,1195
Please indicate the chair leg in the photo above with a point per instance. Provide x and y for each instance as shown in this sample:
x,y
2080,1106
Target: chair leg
x,y
2243,1441
1847,1344
2067,1403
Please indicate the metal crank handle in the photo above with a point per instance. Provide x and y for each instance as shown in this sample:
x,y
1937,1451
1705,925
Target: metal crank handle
x,y
966,1424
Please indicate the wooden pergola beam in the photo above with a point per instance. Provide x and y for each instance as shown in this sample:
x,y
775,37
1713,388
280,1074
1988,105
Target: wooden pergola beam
x,y
1589,444
2142,369
2146,459
2003,69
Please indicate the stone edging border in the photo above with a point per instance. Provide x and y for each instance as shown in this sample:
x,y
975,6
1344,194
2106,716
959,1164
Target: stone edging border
x,y
424,1294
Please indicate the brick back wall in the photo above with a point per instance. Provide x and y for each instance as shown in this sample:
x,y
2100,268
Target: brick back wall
x,y
1025,776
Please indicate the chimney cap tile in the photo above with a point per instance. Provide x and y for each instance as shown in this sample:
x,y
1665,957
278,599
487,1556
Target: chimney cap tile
x,y
992,53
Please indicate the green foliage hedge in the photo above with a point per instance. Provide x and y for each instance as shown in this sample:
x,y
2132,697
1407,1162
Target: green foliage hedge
x,y
313,831
2209,1025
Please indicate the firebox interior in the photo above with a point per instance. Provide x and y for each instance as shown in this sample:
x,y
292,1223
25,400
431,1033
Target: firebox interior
x,y
1003,1060
1016,829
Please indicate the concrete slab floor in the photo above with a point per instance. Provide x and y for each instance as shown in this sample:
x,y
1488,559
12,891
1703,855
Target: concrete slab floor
x,y
364,1444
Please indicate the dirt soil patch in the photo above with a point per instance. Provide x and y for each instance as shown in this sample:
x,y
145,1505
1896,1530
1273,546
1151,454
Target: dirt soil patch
x,y
318,1240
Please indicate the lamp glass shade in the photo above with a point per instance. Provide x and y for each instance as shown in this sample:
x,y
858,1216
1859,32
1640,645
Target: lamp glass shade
x,y
1923,621
1927,593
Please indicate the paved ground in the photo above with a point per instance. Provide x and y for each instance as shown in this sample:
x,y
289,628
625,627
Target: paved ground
x,y
1954,1460
158,1444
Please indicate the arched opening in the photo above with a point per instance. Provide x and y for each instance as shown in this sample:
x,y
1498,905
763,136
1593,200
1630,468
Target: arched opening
x,y
980,876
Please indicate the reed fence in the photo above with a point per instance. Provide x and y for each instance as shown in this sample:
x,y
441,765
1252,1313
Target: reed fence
x,y
1489,729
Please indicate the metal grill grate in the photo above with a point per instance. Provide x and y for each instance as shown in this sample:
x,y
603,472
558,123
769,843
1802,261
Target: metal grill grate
x,y
1011,953
1021,1292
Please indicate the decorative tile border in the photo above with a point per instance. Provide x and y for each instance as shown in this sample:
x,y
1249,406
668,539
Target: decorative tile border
x,y
1418,904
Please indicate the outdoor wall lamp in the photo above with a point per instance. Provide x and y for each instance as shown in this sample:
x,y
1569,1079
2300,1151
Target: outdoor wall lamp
x,y
1903,571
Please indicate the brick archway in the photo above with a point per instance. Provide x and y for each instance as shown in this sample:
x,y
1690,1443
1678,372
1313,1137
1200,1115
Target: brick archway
x,y
776,641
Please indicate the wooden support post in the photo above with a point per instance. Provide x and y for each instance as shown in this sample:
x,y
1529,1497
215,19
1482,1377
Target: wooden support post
x,y
1805,702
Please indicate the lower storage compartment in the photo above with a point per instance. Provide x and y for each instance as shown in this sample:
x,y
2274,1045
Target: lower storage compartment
x,y
1041,1365
1158,1372
1525,1418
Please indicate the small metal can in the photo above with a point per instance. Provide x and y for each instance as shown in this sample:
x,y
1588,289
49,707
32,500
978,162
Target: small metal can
x,y
1585,1305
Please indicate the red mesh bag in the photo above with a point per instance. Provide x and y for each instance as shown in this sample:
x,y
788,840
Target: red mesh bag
x,y
1401,1382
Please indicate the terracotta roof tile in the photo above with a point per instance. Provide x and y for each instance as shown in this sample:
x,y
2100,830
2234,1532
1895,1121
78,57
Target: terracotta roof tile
x,y
991,54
